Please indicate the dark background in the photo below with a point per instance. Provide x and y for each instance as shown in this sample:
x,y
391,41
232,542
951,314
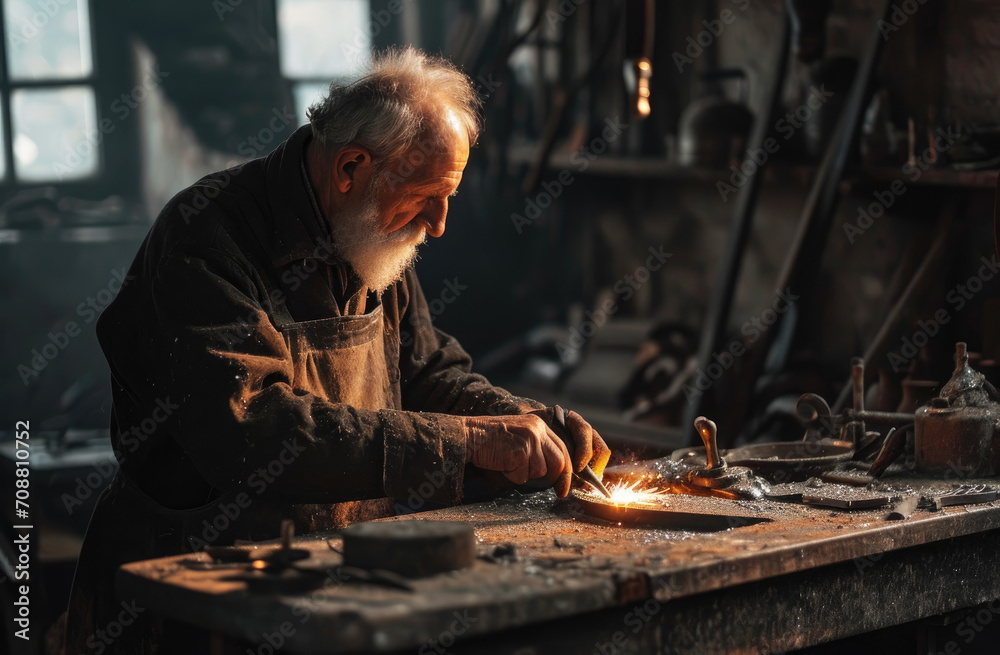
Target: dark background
x,y
527,287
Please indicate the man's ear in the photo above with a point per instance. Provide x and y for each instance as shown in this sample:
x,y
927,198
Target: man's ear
x,y
348,165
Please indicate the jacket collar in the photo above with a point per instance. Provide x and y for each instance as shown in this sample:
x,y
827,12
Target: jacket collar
x,y
297,229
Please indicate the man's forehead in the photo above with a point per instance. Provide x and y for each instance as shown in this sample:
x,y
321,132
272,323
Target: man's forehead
x,y
447,144
442,172
439,159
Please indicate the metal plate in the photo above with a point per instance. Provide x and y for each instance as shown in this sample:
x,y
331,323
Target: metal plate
x,y
660,514
849,503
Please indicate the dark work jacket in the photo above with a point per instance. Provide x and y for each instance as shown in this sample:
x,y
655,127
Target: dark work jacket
x,y
216,404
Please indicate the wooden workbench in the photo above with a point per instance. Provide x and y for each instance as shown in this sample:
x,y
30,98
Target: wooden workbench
x,y
576,584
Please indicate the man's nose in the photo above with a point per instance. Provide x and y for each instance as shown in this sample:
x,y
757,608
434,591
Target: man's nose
x,y
433,217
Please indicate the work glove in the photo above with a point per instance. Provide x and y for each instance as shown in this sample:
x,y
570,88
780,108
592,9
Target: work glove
x,y
527,447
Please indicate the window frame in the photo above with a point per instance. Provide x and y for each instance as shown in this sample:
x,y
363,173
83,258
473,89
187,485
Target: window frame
x,y
384,37
117,151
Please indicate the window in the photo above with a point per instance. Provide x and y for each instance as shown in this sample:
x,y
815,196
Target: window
x,y
47,100
322,41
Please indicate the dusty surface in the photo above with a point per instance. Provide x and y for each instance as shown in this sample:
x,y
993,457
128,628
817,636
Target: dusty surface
x,y
542,558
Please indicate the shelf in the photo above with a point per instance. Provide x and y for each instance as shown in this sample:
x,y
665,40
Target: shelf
x,y
661,169
81,234
932,177
790,173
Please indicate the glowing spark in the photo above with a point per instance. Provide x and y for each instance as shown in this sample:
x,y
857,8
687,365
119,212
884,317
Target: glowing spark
x,y
623,493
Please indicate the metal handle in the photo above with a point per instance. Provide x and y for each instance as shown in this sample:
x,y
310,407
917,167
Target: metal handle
x,y
707,430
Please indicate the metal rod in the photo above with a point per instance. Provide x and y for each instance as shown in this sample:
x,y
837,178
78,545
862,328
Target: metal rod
x,y
917,282
883,418
858,388
588,475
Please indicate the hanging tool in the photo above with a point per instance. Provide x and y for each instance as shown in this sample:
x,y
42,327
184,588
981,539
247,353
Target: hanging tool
x,y
808,18
562,100
717,314
802,266
713,130
918,283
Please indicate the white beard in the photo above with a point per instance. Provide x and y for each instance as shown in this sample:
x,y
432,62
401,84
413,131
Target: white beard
x,y
379,259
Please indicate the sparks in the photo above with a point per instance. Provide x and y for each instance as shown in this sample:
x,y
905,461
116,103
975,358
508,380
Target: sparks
x,y
624,493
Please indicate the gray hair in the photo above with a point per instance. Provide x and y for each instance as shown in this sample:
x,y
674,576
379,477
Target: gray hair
x,y
386,110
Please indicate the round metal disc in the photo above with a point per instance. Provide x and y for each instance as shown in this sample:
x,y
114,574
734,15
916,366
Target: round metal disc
x,y
412,548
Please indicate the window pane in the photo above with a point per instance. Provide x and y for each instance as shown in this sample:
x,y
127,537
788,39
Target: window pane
x,y
55,133
3,159
307,93
325,38
47,39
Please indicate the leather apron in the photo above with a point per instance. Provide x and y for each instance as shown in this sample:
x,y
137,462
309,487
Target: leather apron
x,y
340,359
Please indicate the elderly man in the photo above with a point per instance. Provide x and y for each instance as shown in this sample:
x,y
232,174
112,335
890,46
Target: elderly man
x,y
258,369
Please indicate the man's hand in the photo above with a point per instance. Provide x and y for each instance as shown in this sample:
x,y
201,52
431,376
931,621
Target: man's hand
x,y
588,446
524,447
